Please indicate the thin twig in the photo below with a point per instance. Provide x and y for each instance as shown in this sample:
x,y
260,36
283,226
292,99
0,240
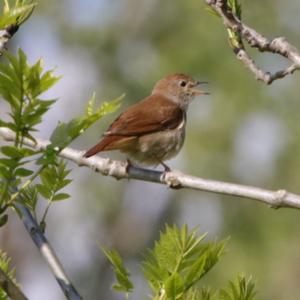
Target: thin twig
x,y
48,253
174,179
277,45
10,288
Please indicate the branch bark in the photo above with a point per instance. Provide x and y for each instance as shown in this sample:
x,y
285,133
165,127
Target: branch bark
x,y
5,35
10,288
277,45
173,179
48,253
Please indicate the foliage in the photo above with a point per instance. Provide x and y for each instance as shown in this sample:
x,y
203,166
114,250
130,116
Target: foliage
x,y
65,133
21,86
234,38
241,289
6,268
236,7
122,275
16,13
175,266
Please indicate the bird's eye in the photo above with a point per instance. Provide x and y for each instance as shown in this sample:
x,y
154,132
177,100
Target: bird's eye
x,y
183,83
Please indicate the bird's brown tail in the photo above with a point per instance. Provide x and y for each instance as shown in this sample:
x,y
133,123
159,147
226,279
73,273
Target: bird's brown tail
x,y
101,146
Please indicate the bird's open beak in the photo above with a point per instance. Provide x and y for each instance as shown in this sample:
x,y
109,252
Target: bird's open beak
x,y
196,90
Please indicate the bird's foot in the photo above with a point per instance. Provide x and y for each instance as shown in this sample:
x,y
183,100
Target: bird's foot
x,y
172,179
166,167
129,164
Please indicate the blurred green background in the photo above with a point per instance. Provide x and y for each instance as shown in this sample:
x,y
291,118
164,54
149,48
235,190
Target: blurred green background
x,y
244,132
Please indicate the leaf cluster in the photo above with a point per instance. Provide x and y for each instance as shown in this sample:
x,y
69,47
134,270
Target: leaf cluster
x,y
123,283
175,266
234,38
179,260
241,289
22,86
53,180
10,272
15,12
65,133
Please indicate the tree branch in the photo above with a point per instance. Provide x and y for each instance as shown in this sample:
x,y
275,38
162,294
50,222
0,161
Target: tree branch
x,y
173,179
10,288
48,253
5,35
277,45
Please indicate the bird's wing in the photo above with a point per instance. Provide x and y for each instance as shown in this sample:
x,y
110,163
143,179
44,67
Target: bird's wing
x,y
147,116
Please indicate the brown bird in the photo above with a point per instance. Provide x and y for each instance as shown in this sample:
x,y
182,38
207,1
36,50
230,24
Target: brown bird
x,y
153,130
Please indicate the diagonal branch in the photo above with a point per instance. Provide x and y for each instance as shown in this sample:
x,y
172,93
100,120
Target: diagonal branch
x,y
10,288
277,45
175,179
48,253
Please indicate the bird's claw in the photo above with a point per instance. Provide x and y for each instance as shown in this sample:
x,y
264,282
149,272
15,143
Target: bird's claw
x,y
171,178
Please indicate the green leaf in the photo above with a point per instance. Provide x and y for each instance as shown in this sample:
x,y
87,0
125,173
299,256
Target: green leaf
x,y
47,81
7,269
20,85
61,196
48,176
23,172
29,197
34,111
38,83
196,270
54,178
206,294
11,151
8,72
212,11
16,15
62,183
8,162
122,275
240,289
8,86
154,273
174,286
90,106
26,152
179,260
4,172
236,7
44,191
49,157
65,133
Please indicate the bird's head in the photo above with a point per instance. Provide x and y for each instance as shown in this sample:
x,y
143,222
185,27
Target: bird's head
x,y
180,88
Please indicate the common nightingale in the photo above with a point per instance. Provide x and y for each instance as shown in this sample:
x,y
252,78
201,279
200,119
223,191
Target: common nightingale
x,y
153,130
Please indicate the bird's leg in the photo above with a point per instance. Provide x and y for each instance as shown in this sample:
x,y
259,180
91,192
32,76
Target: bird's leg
x,y
166,167
128,164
